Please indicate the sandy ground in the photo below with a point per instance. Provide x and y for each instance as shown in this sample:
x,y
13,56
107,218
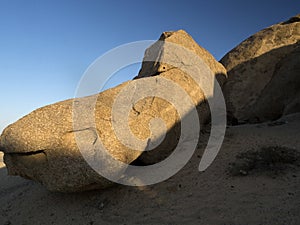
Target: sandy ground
x,y
241,187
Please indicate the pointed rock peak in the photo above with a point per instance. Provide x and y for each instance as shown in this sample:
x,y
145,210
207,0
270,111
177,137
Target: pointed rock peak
x,y
168,34
294,19
156,56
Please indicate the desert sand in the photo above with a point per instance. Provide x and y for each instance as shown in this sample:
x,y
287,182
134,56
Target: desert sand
x,y
240,187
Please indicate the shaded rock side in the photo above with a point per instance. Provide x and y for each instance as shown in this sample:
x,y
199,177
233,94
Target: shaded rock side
x,y
254,67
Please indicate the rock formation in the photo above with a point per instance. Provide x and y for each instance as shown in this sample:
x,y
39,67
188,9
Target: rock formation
x,y
262,74
60,145
51,144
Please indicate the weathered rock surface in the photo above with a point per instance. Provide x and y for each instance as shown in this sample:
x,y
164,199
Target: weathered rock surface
x,y
50,144
262,82
41,146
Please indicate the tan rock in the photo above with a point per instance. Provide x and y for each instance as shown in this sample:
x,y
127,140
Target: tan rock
x,y
252,66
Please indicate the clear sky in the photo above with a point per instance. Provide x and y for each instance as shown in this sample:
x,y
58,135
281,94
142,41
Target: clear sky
x,y
45,46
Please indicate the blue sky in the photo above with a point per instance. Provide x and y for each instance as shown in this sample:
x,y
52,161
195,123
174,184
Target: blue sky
x,y
46,46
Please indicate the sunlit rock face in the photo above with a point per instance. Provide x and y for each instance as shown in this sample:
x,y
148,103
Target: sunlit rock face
x,y
263,82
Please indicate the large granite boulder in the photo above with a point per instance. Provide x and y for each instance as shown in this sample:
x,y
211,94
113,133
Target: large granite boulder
x,y
262,74
56,145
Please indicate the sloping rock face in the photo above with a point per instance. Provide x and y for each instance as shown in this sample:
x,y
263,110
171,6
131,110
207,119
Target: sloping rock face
x,y
53,144
262,82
